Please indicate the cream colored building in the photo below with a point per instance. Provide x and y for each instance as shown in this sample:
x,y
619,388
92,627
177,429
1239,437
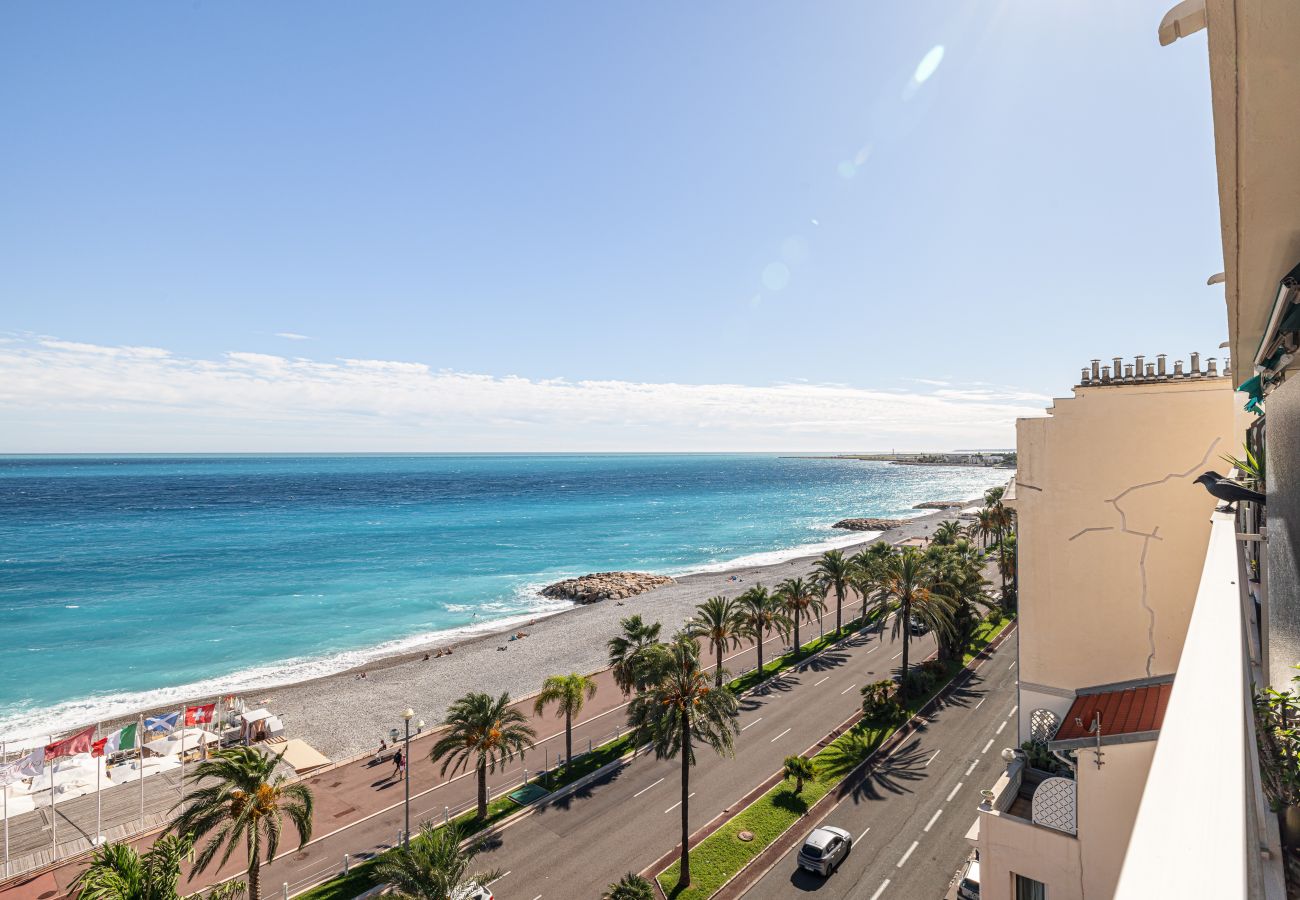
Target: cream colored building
x,y
1111,534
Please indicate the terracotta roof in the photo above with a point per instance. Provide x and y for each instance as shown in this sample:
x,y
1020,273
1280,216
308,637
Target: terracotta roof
x,y
1127,711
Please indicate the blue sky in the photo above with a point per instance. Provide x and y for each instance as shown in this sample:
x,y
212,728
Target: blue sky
x,y
702,210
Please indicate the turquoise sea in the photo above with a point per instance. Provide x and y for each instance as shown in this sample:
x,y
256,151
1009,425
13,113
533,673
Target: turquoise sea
x,y
129,581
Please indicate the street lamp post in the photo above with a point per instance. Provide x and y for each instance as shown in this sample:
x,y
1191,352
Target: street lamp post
x,y
407,715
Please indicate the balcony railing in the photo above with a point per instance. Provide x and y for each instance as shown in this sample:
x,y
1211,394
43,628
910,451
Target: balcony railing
x,y
1203,828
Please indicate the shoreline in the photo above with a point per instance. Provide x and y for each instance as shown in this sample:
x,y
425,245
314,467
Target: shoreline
x,y
342,714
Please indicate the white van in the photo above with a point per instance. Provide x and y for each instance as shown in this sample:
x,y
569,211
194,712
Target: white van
x,y
969,886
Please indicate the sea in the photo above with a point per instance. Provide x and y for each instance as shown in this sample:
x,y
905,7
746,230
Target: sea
x,y
129,582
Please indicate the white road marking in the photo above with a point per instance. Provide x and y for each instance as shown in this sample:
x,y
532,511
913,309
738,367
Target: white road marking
x,y
779,736
1000,727
931,759
981,703
897,655
847,689
880,890
499,877
907,854
987,746
972,766
1013,710
954,792
644,789
679,803
864,834
827,678
1012,666
753,723
934,818
538,897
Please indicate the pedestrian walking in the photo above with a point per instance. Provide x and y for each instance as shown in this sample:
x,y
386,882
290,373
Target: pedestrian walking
x,y
399,763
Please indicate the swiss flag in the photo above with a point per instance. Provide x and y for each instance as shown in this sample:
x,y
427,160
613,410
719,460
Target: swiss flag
x,y
80,742
199,715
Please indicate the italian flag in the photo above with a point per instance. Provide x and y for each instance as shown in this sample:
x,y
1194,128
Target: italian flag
x,y
123,739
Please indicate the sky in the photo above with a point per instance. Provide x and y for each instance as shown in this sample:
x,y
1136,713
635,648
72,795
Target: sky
x,y
735,225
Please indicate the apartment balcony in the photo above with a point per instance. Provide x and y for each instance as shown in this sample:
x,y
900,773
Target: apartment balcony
x,y
1202,801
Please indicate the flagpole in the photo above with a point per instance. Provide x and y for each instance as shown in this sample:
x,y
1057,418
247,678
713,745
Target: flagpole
x,y
54,815
140,739
99,803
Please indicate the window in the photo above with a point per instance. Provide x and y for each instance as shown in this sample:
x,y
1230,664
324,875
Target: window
x,y
1028,889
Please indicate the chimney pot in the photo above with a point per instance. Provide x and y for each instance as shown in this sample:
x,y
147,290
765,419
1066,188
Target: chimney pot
x,y
1178,368
1084,377
1196,364
1160,365
1096,373
1105,373
1211,367
1151,370
1138,366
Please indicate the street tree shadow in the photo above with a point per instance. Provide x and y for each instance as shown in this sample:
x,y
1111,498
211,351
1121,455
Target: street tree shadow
x,y
894,774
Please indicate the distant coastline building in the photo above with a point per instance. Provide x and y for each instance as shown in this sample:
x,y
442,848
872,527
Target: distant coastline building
x,y
1150,619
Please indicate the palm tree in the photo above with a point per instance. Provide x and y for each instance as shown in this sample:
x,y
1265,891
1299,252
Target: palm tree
x,y
239,799
985,526
627,652
717,620
569,693
1007,567
630,887
801,602
947,532
484,729
798,769
433,867
759,613
679,711
908,586
835,572
119,872
958,573
868,568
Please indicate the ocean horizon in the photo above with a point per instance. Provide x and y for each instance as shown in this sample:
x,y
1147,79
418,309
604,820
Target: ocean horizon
x,y
136,580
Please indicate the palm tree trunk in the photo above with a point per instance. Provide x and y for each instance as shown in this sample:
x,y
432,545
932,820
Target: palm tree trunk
x,y
568,735
907,640
717,674
482,788
797,645
254,879
684,875
839,609
761,632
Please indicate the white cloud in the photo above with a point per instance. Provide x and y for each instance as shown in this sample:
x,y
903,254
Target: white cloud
x,y
64,396
293,336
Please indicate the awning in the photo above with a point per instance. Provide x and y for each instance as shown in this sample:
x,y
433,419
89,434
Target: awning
x,y
1133,712
299,754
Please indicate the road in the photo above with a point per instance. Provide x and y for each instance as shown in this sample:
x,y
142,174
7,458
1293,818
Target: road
x,y
575,847
910,814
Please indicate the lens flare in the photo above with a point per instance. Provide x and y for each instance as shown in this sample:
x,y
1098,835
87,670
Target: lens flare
x,y
776,276
928,64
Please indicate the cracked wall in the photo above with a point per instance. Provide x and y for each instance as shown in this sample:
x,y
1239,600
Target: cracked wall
x,y
1112,530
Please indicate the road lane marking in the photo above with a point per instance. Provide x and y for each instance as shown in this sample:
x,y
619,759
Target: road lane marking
x,y
753,723
1012,666
934,818
538,897
896,655
827,678
954,792
644,789
972,766
987,746
880,890
1000,727
981,703
847,689
864,834
931,759
779,736
1013,710
679,803
907,854
499,877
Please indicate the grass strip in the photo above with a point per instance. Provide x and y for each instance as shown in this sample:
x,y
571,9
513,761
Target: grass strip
x,y
722,854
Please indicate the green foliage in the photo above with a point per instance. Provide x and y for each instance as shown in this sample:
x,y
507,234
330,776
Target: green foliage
x,y
630,887
1039,757
485,731
629,651
718,621
120,872
434,867
880,705
1252,467
798,769
1277,734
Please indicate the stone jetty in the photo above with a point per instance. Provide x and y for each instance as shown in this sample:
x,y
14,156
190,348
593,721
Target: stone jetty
x,y
868,524
604,586
940,504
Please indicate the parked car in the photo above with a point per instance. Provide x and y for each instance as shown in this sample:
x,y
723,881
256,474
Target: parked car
x,y
917,626
824,849
968,888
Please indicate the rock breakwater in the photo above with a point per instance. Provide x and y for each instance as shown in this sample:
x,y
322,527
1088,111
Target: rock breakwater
x,y
868,524
604,586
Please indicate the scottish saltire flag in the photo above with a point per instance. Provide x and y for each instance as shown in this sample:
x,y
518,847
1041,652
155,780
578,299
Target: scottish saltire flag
x,y
161,723
123,739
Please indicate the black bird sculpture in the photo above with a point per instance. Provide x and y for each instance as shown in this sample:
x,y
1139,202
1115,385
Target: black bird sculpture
x,y
1228,491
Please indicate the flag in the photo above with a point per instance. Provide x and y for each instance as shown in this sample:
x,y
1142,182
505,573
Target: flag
x,y
77,743
161,723
29,766
123,739
199,715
